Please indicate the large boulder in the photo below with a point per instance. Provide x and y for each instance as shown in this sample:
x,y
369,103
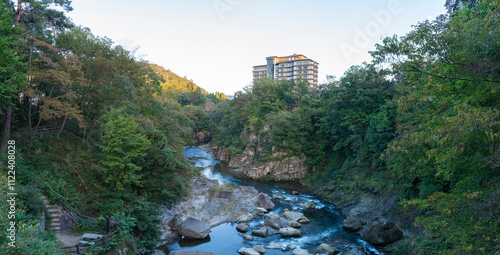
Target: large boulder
x,y
191,253
290,232
175,222
294,224
260,211
262,232
308,205
272,221
193,228
273,246
263,200
353,225
245,218
259,248
296,216
328,249
247,251
248,237
243,228
299,251
382,233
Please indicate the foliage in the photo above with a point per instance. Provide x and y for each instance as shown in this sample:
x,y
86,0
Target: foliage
x,y
448,131
29,239
464,223
122,148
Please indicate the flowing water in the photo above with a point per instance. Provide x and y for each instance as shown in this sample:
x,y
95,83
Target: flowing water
x,y
325,225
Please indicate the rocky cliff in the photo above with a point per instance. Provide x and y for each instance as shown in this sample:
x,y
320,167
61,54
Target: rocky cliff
x,y
280,167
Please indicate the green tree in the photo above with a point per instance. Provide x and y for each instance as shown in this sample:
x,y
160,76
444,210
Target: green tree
x,y
12,69
448,130
122,147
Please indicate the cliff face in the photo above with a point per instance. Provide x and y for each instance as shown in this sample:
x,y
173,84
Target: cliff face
x,y
279,168
201,137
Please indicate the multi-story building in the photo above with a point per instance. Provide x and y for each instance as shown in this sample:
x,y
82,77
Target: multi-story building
x,y
288,67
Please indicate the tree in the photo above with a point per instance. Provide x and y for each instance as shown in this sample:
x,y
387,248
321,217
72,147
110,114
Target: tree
x,y
448,130
122,147
34,17
12,69
456,5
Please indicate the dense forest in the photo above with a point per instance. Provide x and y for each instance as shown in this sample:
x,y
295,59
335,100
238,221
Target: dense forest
x,y
421,121
106,130
87,119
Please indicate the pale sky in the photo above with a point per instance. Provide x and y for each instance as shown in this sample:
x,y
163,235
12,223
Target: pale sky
x,y
216,43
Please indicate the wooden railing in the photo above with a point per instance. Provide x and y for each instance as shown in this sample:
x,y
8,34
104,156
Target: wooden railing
x,y
42,129
78,248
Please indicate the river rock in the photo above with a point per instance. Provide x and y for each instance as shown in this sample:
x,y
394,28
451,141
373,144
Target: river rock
x,y
294,224
193,228
259,248
273,246
263,200
292,215
295,192
245,218
355,251
261,210
328,249
247,251
191,253
262,232
175,222
248,237
308,205
382,233
290,232
296,216
299,251
272,231
243,228
278,197
292,246
353,225
272,221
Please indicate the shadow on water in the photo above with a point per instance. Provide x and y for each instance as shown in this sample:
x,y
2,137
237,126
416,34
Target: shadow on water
x,y
325,225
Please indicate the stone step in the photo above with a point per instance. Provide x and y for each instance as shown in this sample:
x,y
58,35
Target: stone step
x,y
54,210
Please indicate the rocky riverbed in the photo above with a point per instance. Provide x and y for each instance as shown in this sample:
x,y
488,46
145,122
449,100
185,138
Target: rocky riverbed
x,y
228,215
211,203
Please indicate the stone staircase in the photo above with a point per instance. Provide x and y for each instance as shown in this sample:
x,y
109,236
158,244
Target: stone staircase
x,y
55,212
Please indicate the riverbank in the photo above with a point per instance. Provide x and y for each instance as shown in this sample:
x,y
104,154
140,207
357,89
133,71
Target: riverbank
x,y
375,217
210,202
224,201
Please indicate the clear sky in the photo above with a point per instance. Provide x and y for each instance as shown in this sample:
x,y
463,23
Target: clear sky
x,y
217,42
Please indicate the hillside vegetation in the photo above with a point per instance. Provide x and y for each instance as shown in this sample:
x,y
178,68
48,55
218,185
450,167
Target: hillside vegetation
x,y
421,122
90,121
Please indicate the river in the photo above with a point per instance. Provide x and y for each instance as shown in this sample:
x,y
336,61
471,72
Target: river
x,y
325,225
